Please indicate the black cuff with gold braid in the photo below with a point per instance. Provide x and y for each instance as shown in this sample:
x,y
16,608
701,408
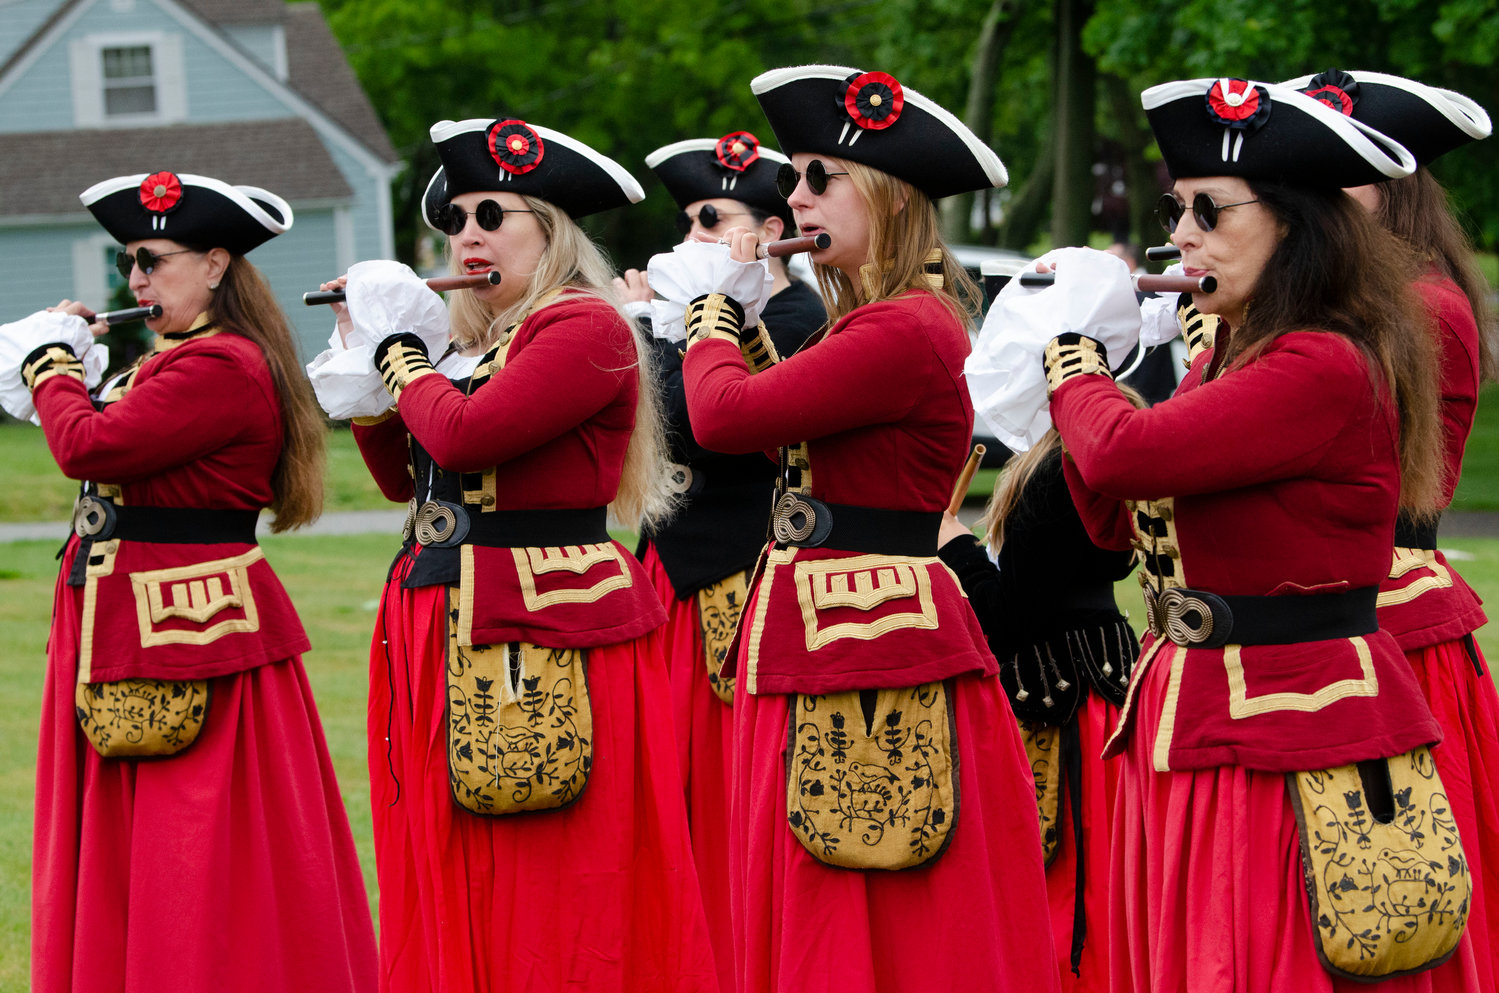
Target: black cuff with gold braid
x,y
1072,354
402,359
1199,330
714,315
54,359
759,351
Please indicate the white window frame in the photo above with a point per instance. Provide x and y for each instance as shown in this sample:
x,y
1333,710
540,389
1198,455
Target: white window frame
x,y
91,268
87,57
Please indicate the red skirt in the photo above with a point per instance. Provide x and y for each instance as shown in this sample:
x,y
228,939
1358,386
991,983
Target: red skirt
x,y
1100,782
974,920
597,896
1466,705
1206,890
705,748
229,867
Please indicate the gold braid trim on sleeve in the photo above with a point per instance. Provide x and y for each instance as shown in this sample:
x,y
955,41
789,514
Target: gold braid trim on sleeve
x,y
47,361
365,422
714,315
402,359
759,351
1199,330
1070,355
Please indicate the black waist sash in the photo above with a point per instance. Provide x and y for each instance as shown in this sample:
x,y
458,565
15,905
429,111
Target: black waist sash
x,y
1409,534
1197,618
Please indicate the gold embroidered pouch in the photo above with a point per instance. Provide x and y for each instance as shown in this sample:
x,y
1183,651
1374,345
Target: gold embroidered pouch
x,y
718,610
520,726
872,776
1384,869
1043,747
142,718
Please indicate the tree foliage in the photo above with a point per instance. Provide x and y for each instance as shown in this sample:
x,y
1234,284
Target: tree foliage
x,y
627,78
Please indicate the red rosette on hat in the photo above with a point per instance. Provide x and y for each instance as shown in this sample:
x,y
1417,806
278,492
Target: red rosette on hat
x,y
161,192
1238,104
874,100
736,151
1336,89
516,146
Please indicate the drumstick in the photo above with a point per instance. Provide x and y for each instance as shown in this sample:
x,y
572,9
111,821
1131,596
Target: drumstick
x,y
791,246
1144,283
439,284
1163,253
964,478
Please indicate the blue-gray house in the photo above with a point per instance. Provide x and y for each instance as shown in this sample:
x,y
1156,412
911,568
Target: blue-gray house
x,y
253,92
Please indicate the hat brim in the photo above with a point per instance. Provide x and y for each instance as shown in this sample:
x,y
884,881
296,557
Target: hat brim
x,y
576,178
1428,120
690,171
926,146
209,214
1302,141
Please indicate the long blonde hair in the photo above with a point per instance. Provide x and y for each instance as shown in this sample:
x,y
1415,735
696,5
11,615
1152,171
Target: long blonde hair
x,y
1019,471
900,240
573,264
243,304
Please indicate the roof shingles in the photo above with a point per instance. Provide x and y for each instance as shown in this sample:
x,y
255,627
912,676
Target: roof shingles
x,y
43,172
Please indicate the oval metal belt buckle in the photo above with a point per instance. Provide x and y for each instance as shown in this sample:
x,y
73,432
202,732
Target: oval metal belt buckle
x,y
1178,608
91,517
679,478
783,521
408,526
439,523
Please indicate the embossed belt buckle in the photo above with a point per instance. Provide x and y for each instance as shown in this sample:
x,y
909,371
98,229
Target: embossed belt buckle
x,y
679,477
93,518
408,526
1190,618
799,520
440,524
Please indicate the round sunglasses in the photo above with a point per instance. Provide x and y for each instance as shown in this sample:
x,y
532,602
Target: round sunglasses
x,y
708,217
143,257
451,218
817,178
1204,211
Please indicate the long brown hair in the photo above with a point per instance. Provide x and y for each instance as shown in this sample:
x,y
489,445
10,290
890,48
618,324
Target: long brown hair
x,y
1416,210
900,240
244,305
573,264
1335,269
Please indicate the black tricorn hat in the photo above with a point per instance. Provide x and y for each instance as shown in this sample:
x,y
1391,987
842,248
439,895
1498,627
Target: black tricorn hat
x,y
510,155
191,210
1239,127
735,166
1428,120
870,118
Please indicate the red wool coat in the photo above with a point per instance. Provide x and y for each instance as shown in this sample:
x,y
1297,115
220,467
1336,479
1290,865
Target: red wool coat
x,y
175,611
882,402
1277,478
1423,601
548,430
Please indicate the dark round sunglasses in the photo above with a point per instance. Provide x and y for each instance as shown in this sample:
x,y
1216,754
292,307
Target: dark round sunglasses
x,y
708,217
452,218
817,178
143,257
1204,211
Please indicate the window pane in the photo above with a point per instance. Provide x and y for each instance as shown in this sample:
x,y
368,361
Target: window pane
x,y
127,63
130,100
